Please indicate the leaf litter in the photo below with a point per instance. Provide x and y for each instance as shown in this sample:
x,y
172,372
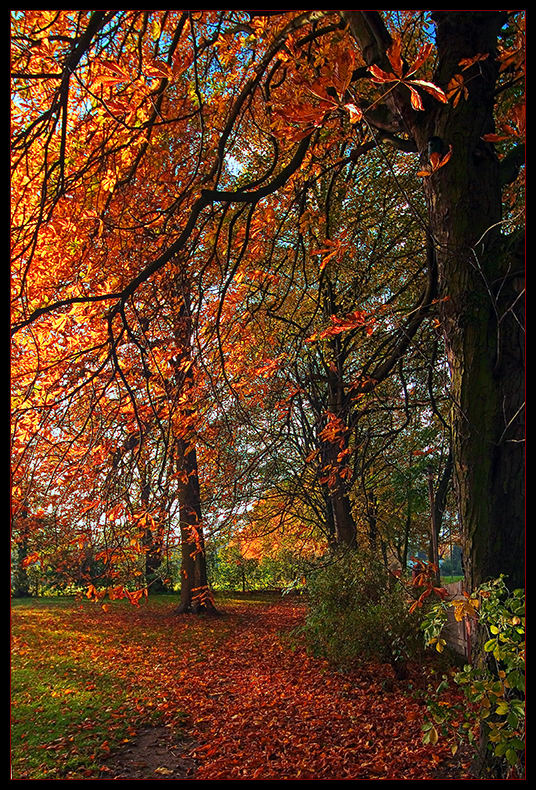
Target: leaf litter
x,y
229,698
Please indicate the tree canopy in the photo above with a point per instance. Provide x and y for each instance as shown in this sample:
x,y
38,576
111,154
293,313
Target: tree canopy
x,y
267,280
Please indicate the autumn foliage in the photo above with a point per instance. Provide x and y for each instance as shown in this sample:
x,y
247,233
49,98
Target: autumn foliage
x,y
252,707
267,307
186,271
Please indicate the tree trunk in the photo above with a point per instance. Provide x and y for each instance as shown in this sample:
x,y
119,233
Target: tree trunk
x,y
335,448
345,529
479,280
433,554
341,521
20,578
372,519
153,561
21,581
151,542
195,593
438,499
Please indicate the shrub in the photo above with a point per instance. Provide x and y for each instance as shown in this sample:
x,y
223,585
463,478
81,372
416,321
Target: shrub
x,y
492,717
358,611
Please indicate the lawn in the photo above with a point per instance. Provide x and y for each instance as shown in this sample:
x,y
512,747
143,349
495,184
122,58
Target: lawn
x,y
87,681
84,679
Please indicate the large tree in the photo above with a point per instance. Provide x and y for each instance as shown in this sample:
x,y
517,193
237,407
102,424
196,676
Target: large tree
x,y
479,271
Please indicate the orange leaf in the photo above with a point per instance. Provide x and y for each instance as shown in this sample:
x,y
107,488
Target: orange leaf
x,y
494,138
379,75
422,55
30,559
325,260
416,101
135,595
456,89
429,87
394,53
159,69
466,62
112,75
435,163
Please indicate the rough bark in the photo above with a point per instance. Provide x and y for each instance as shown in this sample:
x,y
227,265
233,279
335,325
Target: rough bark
x,y
479,276
438,498
195,595
336,494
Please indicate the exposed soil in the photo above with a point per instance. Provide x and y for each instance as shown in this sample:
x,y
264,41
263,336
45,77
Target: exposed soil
x,y
154,753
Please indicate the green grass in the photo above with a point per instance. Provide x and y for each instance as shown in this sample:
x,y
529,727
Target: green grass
x,y
55,708
70,701
450,579
85,677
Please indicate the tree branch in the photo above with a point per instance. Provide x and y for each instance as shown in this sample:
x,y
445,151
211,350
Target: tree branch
x,y
509,166
241,196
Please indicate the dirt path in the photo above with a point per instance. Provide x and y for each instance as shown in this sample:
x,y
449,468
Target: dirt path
x,y
155,753
260,710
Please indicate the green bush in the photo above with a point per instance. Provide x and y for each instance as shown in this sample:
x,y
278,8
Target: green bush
x,y
492,716
358,612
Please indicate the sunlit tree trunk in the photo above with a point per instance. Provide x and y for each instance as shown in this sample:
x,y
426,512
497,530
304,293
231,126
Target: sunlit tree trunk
x,y
195,595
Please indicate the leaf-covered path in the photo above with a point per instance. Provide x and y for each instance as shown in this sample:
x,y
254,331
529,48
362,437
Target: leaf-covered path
x,y
223,698
261,710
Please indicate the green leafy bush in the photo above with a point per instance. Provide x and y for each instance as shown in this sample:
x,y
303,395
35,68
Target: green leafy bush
x,y
358,611
493,713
